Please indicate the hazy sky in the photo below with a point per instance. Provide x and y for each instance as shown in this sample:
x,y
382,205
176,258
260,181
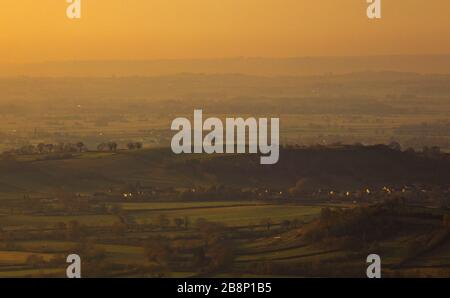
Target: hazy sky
x,y
38,30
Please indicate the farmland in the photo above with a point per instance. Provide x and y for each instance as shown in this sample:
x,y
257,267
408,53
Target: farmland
x,y
16,256
149,213
143,213
370,108
258,250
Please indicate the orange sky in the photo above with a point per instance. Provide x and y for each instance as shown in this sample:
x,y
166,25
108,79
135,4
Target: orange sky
x,y
38,30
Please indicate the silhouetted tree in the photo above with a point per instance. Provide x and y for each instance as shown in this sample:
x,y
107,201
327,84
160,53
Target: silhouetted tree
x,y
81,147
41,148
112,146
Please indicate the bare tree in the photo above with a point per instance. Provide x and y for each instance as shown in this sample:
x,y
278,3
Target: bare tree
x,y
81,147
112,146
41,148
49,148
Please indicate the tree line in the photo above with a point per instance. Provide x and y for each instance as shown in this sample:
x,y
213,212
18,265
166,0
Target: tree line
x,y
78,147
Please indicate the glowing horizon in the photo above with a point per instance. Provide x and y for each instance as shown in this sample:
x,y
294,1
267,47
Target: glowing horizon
x,y
38,31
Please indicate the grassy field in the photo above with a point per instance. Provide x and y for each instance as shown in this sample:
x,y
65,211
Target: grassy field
x,y
235,215
256,237
277,248
50,272
20,257
186,205
231,213
39,222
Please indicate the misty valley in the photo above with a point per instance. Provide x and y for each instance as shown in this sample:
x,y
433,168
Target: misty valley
x,y
87,168
355,108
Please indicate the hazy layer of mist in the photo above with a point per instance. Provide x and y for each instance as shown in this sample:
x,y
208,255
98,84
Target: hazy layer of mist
x,y
438,64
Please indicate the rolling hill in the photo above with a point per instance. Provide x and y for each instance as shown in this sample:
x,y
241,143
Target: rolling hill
x,y
331,167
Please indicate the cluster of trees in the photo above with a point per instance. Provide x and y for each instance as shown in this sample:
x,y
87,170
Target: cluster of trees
x,y
73,230
164,222
210,193
217,251
134,145
357,227
304,187
49,148
212,253
428,151
112,146
226,193
285,224
43,148
108,146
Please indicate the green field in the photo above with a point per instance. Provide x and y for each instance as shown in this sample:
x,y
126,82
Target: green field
x,y
39,222
231,213
184,205
236,216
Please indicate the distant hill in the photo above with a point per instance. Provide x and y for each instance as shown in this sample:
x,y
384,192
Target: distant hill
x,y
436,64
333,167
339,168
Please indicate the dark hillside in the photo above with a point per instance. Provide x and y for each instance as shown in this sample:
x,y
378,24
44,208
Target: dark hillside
x,y
329,167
